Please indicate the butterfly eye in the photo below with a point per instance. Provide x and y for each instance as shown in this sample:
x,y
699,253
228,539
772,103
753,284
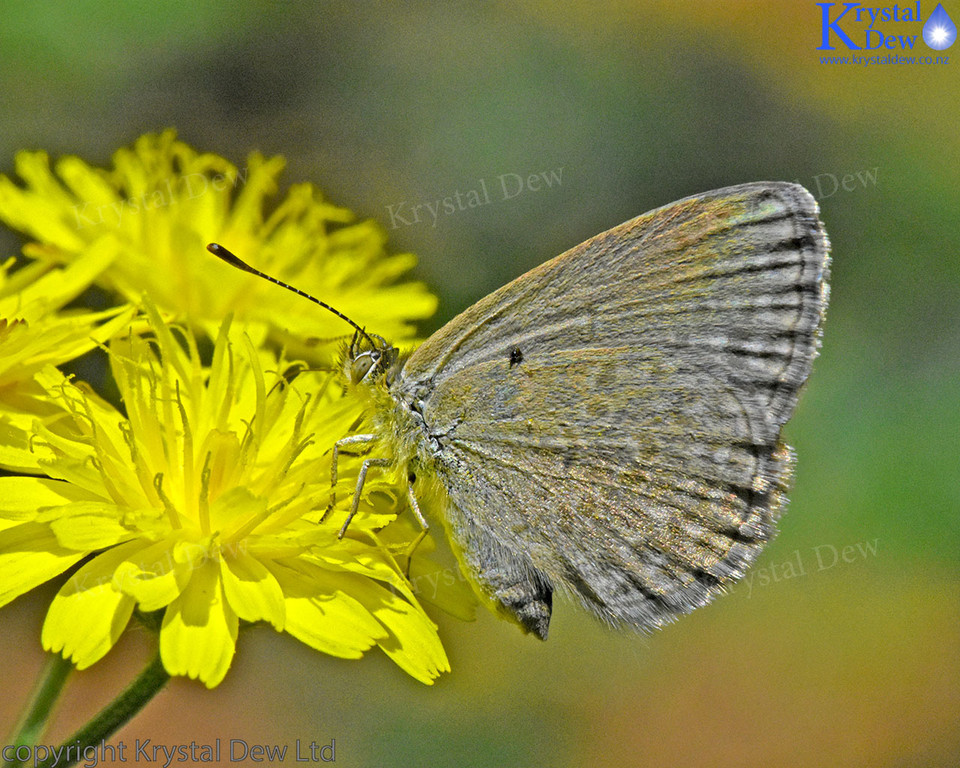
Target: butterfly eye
x,y
379,362
362,365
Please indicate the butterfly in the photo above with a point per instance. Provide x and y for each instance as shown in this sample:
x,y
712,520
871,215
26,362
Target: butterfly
x,y
608,424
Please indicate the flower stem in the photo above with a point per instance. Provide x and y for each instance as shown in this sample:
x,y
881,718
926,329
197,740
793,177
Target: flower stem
x,y
95,733
45,696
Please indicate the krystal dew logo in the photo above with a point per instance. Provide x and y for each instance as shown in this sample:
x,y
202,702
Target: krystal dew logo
x,y
864,28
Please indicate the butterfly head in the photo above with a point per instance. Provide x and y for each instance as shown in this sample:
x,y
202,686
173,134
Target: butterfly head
x,y
370,358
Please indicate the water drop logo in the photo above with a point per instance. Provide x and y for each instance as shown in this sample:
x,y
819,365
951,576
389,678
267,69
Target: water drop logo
x,y
939,33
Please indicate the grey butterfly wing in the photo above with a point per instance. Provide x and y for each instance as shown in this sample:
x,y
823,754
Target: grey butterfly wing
x,y
609,422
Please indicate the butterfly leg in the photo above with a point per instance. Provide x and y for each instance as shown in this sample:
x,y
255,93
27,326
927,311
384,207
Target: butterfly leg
x,y
361,479
351,440
424,527
412,497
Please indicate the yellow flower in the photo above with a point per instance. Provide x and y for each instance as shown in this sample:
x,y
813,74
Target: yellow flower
x,y
35,333
163,201
206,502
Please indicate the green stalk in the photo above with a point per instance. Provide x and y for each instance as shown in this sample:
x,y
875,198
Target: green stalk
x,y
95,733
45,696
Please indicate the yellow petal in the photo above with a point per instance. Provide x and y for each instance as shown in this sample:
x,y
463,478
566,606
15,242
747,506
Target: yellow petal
x,y
152,577
199,632
30,555
413,643
444,587
336,624
252,591
22,498
59,286
85,183
322,611
358,557
40,211
16,450
86,525
89,613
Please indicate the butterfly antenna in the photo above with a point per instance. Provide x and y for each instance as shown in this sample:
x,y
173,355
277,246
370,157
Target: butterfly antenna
x,y
233,260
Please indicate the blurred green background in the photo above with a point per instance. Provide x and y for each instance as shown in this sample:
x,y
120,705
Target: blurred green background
x,y
842,647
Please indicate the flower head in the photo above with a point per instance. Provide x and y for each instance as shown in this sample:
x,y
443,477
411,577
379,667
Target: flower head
x,y
36,332
207,501
159,205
